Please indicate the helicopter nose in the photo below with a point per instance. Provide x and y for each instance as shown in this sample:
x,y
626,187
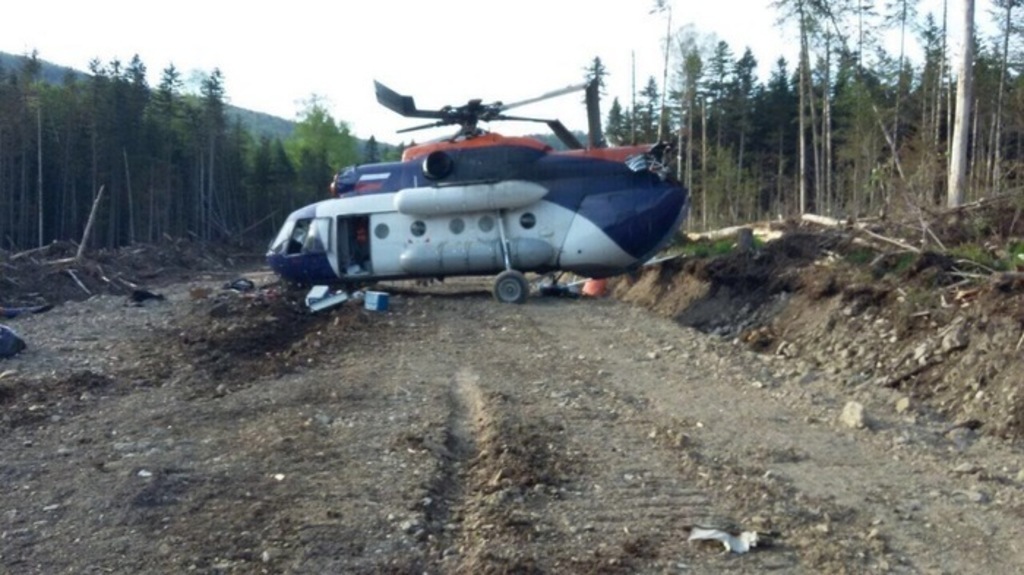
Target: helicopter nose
x,y
640,220
616,230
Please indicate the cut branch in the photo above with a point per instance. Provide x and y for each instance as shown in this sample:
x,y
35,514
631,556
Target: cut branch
x,y
78,281
88,225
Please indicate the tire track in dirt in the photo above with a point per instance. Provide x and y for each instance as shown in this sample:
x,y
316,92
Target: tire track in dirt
x,y
563,478
448,487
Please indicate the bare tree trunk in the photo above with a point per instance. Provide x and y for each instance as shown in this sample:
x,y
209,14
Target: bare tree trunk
x,y
802,138
88,224
826,128
689,143
39,167
997,145
131,203
958,154
780,174
664,78
632,108
704,161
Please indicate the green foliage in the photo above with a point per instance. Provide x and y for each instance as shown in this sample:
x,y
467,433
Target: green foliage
x,y
318,148
986,258
1015,260
861,256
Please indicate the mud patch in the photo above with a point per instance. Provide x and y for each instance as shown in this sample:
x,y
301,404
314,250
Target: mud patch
x,y
232,341
30,401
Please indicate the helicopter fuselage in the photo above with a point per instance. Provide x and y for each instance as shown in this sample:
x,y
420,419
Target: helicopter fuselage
x,y
479,207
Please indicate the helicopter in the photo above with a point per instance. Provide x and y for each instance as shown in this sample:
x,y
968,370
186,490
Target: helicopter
x,y
478,203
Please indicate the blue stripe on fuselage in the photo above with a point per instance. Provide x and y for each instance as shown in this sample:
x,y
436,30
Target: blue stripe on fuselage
x,y
635,209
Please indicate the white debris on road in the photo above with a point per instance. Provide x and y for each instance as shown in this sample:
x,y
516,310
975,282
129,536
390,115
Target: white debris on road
x,y
741,544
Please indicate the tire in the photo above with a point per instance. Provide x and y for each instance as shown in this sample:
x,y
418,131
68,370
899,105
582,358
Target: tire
x,y
511,287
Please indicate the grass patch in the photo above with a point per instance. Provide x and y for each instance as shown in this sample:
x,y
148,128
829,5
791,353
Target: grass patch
x,y
861,256
704,248
980,256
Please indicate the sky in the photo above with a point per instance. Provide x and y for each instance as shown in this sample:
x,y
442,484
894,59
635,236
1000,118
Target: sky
x,y
275,57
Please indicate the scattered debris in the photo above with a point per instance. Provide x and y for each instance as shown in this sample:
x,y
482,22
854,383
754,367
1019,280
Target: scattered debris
x,y
241,285
13,312
140,295
742,543
321,297
376,301
10,344
595,288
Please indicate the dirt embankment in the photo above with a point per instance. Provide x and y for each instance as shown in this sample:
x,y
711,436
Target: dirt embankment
x,y
907,323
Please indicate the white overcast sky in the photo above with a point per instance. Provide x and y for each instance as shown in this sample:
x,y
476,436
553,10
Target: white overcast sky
x,y
276,55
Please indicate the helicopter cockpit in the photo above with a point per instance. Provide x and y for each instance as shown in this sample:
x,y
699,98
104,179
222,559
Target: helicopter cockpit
x,y
303,236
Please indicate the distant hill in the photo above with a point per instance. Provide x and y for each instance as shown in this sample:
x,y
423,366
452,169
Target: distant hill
x,y
52,73
256,122
262,124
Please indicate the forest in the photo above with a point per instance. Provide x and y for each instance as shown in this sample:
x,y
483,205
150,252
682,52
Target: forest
x,y
853,128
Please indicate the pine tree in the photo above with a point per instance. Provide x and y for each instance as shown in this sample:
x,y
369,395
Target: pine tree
x,y
616,127
371,152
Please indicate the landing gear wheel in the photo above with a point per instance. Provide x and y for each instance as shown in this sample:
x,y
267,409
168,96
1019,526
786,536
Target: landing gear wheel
x,y
511,287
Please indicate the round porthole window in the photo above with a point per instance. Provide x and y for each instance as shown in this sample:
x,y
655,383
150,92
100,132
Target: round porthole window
x,y
418,228
381,231
527,220
457,226
486,224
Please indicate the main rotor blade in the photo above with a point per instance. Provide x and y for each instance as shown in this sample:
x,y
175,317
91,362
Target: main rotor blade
x,y
565,135
423,127
561,132
404,105
551,94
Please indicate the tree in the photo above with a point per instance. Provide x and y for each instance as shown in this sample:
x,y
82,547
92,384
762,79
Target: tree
x,y
647,115
371,151
319,147
616,127
213,127
663,7
597,70
690,78
1007,27
808,23
958,153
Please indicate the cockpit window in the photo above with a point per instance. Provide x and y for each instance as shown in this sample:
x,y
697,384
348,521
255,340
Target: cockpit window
x,y
305,236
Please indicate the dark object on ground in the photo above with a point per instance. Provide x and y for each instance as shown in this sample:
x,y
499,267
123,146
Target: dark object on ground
x,y
10,343
141,295
13,312
241,285
559,290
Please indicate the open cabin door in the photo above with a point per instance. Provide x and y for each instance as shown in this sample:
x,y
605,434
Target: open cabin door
x,y
354,245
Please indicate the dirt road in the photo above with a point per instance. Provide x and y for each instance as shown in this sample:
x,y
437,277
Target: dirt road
x,y
220,433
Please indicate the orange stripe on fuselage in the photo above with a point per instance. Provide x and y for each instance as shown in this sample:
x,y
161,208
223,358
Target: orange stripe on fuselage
x,y
618,154
481,141
615,154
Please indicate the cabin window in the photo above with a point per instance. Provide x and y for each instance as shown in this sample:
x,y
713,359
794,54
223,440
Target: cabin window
x,y
527,220
418,228
486,224
457,226
381,231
